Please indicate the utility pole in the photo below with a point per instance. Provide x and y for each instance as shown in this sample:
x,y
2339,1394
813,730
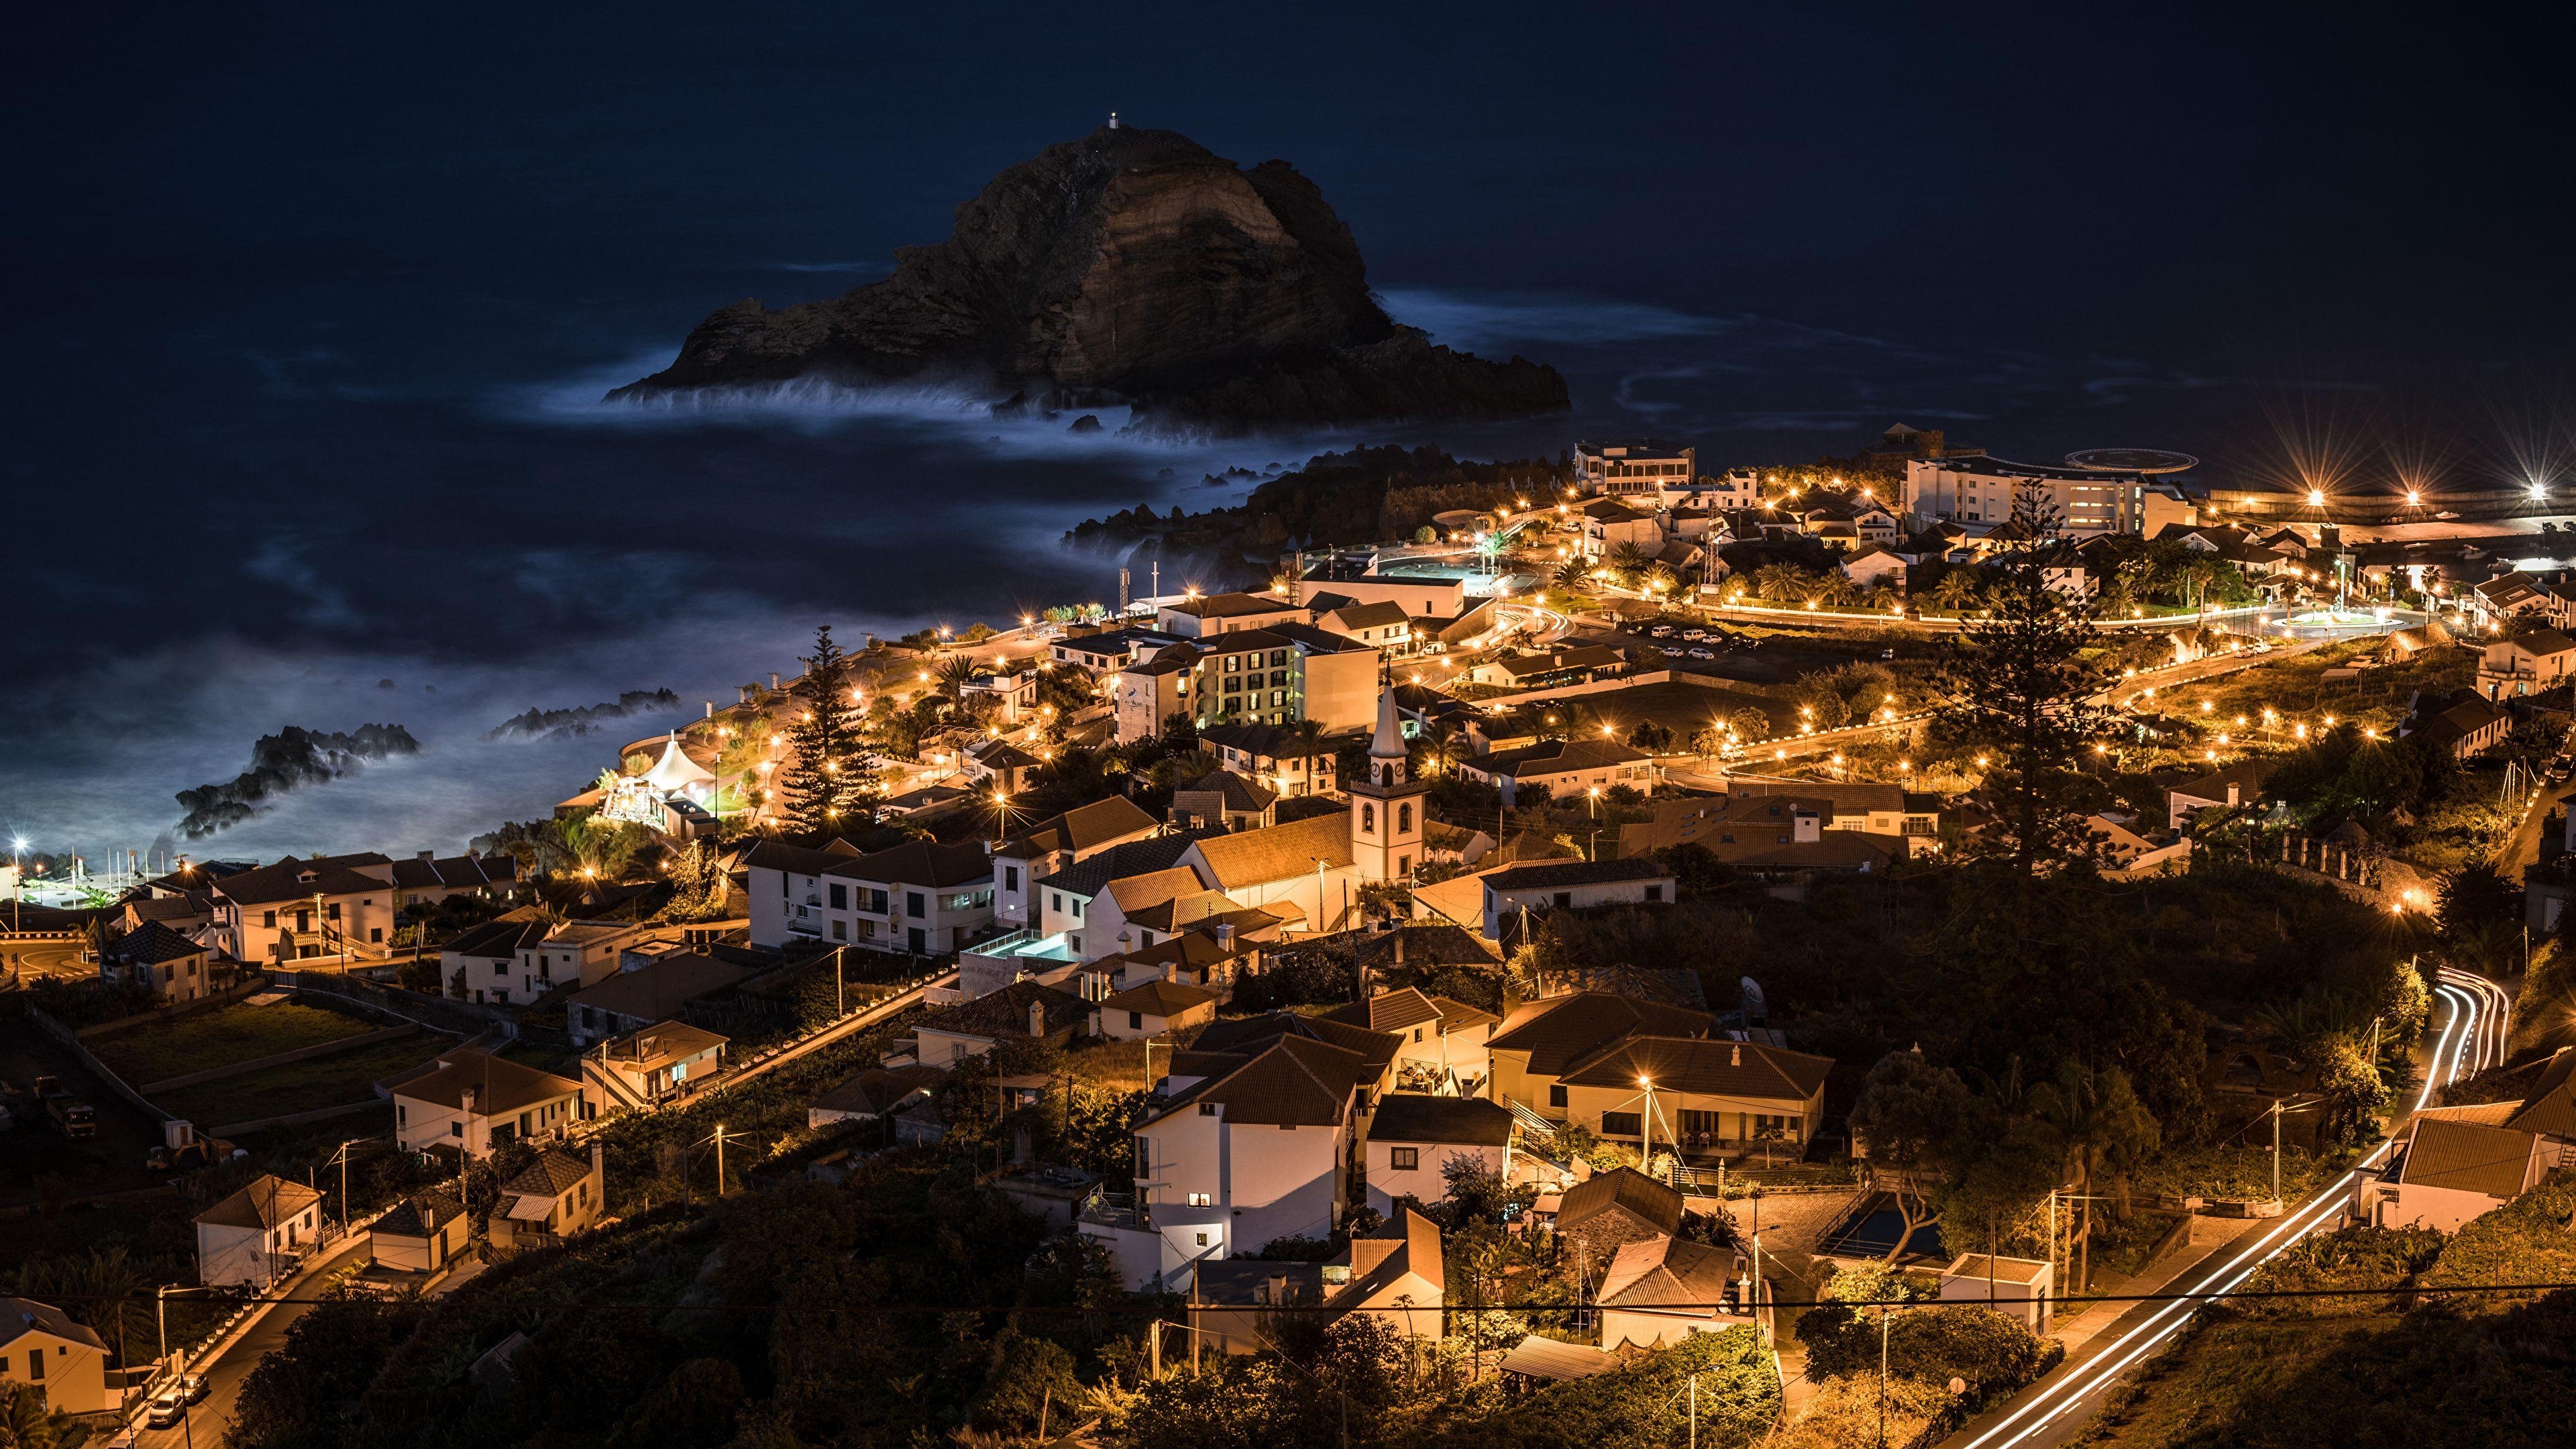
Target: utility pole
x,y
1882,1376
840,996
720,1161
2276,1149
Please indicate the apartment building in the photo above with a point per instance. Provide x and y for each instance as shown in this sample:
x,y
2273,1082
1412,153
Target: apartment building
x,y
2085,502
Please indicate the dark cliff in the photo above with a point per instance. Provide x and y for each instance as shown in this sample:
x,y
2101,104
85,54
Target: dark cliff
x,y
1133,264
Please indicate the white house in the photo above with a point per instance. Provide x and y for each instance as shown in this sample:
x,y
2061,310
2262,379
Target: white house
x,y
1442,1041
1874,565
2456,1164
486,957
1413,1138
1561,769
257,1235
1050,845
169,964
1252,1144
2531,663
472,1101
1155,1008
1571,885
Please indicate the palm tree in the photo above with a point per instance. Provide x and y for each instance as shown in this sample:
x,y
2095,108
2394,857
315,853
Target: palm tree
x,y
951,674
1443,748
1781,583
1310,735
1571,573
1958,591
25,1422
2100,1124
1627,558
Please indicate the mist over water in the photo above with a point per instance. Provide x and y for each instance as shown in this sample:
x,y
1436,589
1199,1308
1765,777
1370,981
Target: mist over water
x,y
312,311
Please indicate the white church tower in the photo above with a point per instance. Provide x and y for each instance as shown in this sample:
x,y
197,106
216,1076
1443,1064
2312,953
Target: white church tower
x,y
1386,807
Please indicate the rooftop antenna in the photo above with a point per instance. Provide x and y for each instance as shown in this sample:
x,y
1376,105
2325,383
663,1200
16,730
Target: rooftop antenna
x,y
1113,120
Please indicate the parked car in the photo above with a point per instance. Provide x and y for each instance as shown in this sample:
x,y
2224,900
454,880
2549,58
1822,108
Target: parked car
x,y
1702,654
1661,631
168,1407
1672,651
195,1387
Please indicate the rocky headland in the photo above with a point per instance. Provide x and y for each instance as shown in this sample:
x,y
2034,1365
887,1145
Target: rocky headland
x,y
1130,266
288,760
556,724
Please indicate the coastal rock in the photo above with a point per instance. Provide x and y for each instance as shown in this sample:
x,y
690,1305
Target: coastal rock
x,y
1133,265
288,760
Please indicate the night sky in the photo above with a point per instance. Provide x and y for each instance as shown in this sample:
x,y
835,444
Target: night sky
x,y
310,307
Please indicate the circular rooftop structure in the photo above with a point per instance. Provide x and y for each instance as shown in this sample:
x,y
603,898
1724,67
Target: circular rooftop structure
x,y
2132,460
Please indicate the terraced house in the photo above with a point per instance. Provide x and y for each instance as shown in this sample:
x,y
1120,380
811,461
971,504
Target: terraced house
x,y
922,897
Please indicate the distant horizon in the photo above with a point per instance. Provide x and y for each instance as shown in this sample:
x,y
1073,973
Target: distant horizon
x,y
316,297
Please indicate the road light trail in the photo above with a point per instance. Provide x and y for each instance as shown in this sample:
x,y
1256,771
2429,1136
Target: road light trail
x,y
2105,1368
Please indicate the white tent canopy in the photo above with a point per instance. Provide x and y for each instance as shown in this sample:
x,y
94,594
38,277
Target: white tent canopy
x,y
676,774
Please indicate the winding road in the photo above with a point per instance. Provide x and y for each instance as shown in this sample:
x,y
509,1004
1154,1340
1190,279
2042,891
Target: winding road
x,y
2047,1413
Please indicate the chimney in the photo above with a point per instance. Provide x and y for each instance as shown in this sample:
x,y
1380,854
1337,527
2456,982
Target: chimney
x,y
425,854
1225,935
1278,1289
773,681
2231,792
473,1098
711,709
1735,1057
1037,1018
1399,945
599,1161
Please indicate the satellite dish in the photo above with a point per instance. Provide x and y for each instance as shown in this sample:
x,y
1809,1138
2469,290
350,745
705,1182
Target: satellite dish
x,y
1756,1010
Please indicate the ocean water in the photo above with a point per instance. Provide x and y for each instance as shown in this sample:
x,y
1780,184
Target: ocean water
x,y
309,310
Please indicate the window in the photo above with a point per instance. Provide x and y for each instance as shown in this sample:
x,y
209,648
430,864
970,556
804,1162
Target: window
x,y
1135,1021
1417,1033
1368,819
269,918
1201,1199
1556,1094
1404,817
332,911
840,930
840,896
1055,900
35,1363
1202,1240
913,905
1619,1124
1565,898
1010,877
1207,1109
455,1129
1406,1159
1654,893
500,968
376,934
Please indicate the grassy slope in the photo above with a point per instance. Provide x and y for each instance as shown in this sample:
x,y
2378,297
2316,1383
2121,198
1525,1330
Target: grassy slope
x,y
217,1038
305,1086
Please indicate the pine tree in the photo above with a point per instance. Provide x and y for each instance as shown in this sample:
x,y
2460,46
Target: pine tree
x,y
826,787
2021,694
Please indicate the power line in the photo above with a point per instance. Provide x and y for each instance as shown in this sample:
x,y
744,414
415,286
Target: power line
x,y
2060,1300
